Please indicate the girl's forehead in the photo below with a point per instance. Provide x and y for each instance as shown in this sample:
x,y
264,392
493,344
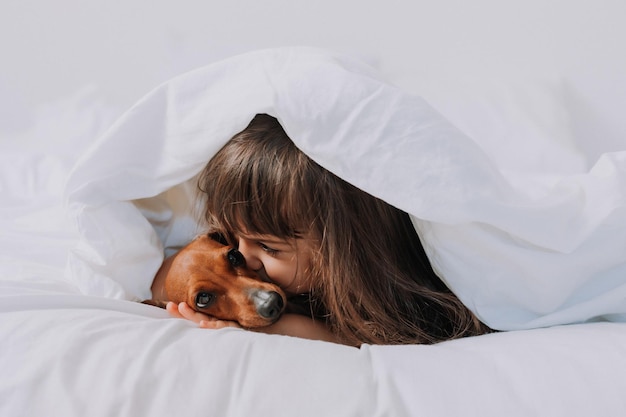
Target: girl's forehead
x,y
266,227
266,238
295,240
253,231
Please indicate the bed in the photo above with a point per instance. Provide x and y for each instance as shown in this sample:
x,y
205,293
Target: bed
x,y
534,245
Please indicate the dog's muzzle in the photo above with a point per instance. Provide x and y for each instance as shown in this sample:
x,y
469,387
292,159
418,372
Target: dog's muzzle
x,y
269,304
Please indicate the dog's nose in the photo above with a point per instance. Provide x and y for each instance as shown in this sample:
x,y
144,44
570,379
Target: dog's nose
x,y
269,304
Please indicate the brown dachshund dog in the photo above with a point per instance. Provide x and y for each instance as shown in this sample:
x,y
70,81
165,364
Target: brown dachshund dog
x,y
212,278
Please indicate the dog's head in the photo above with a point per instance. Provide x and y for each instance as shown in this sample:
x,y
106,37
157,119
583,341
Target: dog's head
x,y
212,278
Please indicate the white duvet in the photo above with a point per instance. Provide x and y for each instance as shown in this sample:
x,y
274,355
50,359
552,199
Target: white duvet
x,y
523,249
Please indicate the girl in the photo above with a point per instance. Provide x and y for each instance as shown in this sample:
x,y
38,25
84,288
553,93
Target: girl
x,y
356,261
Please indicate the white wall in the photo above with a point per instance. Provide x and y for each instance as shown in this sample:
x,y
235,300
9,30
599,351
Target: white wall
x,y
51,49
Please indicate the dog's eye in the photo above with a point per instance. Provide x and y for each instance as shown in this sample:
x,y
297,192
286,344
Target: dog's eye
x,y
204,299
235,258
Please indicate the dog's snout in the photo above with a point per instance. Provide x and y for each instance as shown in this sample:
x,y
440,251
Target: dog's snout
x,y
269,304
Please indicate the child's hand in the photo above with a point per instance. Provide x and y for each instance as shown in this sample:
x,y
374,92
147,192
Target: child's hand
x,y
288,324
183,311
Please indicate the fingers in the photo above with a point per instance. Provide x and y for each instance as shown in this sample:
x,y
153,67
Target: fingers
x,y
172,308
183,311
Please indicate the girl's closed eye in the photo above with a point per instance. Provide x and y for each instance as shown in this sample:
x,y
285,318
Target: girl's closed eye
x,y
270,251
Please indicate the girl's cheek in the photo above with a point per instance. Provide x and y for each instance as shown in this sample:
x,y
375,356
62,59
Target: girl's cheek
x,y
281,272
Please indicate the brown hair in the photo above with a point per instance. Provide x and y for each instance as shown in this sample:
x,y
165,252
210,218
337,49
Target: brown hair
x,y
373,282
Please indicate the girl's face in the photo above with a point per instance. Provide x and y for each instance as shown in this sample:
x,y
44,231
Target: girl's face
x,y
283,262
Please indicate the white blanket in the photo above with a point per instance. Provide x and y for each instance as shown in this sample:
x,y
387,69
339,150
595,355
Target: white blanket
x,y
521,250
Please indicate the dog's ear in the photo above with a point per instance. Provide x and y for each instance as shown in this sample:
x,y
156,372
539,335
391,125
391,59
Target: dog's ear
x,y
155,303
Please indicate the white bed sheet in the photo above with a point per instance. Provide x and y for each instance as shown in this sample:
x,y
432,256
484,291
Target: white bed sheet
x,y
65,353
73,355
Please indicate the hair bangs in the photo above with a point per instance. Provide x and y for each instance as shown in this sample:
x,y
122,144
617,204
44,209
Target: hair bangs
x,y
257,184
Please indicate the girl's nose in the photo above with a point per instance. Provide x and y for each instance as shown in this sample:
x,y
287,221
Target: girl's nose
x,y
247,249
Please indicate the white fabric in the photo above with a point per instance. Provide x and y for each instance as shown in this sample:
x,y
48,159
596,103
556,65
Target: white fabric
x,y
67,354
521,249
73,355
